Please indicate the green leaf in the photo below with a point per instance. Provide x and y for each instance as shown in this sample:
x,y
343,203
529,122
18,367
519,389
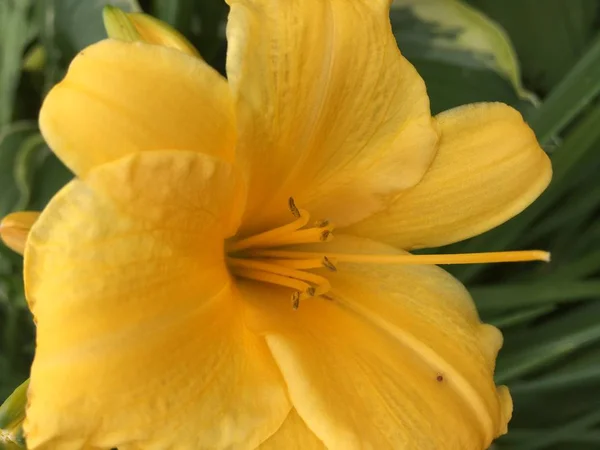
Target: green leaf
x,y
550,35
200,22
501,297
451,32
12,415
30,174
517,318
579,206
16,31
449,86
178,13
575,378
28,158
50,176
548,343
562,434
15,165
78,23
576,90
212,14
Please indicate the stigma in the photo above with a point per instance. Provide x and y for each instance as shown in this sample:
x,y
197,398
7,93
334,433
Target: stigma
x,y
263,257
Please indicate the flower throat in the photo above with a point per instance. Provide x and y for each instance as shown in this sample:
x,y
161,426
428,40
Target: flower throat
x,y
261,257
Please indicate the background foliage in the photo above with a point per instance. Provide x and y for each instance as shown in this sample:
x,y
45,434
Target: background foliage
x,y
542,57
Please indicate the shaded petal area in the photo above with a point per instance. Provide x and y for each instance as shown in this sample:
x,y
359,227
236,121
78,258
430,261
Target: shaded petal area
x,y
398,358
293,435
328,110
489,167
140,343
125,97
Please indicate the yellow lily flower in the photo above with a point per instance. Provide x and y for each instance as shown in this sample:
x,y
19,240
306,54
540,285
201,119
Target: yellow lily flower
x,y
184,301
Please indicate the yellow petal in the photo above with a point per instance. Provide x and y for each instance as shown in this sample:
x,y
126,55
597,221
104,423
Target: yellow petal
x,y
14,229
489,167
121,97
140,343
154,31
397,359
328,110
293,435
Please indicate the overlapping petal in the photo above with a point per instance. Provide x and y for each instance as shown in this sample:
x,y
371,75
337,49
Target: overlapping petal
x,y
398,359
119,98
328,110
140,343
293,435
489,167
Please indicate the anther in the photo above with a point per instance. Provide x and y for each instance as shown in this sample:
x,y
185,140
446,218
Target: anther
x,y
322,223
293,208
328,264
326,235
295,300
311,291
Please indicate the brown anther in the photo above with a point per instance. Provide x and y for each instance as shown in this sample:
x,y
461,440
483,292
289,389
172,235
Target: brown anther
x,y
293,208
295,301
321,223
328,264
325,235
440,377
311,291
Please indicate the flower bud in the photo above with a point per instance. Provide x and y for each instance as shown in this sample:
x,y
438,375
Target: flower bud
x,y
118,26
142,27
15,227
12,415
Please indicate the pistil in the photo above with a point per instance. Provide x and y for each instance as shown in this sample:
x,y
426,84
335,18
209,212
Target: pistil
x,y
440,259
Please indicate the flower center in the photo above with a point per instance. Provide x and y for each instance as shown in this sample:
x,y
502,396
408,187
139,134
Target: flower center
x,y
245,259
261,257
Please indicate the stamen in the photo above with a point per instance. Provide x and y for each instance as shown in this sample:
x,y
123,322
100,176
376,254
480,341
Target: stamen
x,y
306,236
295,301
297,296
259,240
322,223
464,258
293,208
301,264
326,236
328,264
321,282
255,258
271,278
